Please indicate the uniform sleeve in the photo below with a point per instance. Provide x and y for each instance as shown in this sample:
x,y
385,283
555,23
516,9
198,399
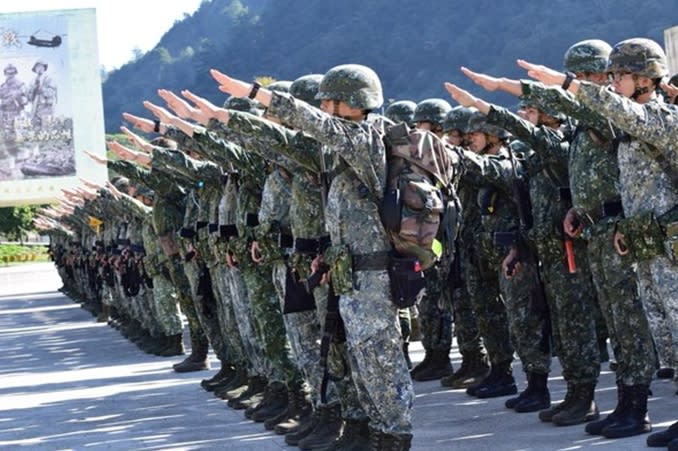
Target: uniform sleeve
x,y
360,145
556,99
134,173
496,171
206,171
654,123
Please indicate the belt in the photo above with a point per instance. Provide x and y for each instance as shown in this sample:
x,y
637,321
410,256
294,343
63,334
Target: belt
x,y
228,230
370,262
604,210
311,245
201,225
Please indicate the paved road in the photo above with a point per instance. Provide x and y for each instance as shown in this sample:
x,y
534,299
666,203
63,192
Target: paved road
x,y
67,382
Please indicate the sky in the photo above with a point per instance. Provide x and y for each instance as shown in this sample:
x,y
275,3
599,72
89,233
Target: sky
x,y
122,25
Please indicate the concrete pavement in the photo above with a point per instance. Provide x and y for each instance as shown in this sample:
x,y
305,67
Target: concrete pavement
x,y
67,382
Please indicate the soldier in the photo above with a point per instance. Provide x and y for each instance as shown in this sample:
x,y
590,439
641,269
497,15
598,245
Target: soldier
x,y
348,93
43,96
13,100
594,178
401,111
474,363
649,184
435,320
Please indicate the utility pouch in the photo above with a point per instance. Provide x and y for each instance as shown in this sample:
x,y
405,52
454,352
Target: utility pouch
x,y
340,262
297,299
406,279
505,239
391,208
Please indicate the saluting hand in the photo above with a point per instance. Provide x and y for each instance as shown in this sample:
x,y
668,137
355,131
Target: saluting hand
x,y
461,96
137,140
206,110
180,107
487,82
542,73
97,158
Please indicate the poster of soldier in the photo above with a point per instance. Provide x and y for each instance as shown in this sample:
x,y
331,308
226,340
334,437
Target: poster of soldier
x,y
50,103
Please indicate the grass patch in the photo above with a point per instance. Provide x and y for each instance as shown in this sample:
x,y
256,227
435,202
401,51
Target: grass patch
x,y
11,254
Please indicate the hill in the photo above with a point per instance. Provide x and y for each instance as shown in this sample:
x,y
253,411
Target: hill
x,y
413,46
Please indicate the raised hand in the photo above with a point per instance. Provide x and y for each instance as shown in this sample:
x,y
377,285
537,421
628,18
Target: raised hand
x,y
97,158
121,151
485,81
232,86
461,96
206,110
140,123
180,107
138,141
543,74
159,112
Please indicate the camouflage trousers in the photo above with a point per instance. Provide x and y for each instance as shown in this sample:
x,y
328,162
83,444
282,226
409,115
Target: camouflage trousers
x,y
622,309
268,321
658,285
206,306
528,315
253,352
226,316
303,334
488,307
183,290
465,325
572,301
375,356
435,319
165,306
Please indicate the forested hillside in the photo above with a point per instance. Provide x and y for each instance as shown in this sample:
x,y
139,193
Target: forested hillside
x,y
414,46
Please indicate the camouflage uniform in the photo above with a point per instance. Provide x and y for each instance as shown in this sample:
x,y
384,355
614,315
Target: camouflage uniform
x,y
13,100
43,95
371,323
594,172
571,297
646,188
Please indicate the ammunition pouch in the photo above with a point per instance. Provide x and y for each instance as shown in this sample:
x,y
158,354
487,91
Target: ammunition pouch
x,y
297,298
406,280
187,233
311,246
227,231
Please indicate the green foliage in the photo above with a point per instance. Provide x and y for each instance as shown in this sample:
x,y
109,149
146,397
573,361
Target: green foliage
x,y
15,253
16,222
413,46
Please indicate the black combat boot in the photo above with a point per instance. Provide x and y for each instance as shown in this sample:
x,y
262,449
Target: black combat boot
x,y
251,396
634,419
535,397
665,373
235,386
438,366
276,403
663,438
326,431
423,364
225,373
355,436
298,409
406,353
305,427
547,415
596,427
499,382
582,407
474,368
197,360
381,441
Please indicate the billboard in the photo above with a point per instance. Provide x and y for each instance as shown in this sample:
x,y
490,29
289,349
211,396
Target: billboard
x,y
50,104
671,46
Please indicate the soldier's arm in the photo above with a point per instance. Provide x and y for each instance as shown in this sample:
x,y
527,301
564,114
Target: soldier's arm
x,y
359,144
134,207
497,171
656,125
552,97
183,164
134,173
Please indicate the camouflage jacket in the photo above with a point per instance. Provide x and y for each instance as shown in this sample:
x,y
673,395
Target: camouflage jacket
x,y
592,161
360,165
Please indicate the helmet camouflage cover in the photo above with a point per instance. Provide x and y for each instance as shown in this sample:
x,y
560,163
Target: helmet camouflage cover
x,y
639,56
356,85
590,55
401,111
432,110
279,86
478,123
306,88
457,119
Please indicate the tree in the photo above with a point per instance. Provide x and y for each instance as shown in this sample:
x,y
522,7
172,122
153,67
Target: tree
x,y
16,222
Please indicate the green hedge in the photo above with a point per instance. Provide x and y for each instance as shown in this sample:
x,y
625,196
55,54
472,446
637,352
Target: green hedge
x,y
16,253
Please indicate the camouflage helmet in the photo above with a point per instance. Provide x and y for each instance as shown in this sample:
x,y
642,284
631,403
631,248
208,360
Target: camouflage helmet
x,y
638,56
457,119
557,115
39,63
306,88
243,104
356,85
477,122
587,56
401,111
279,86
10,69
432,110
